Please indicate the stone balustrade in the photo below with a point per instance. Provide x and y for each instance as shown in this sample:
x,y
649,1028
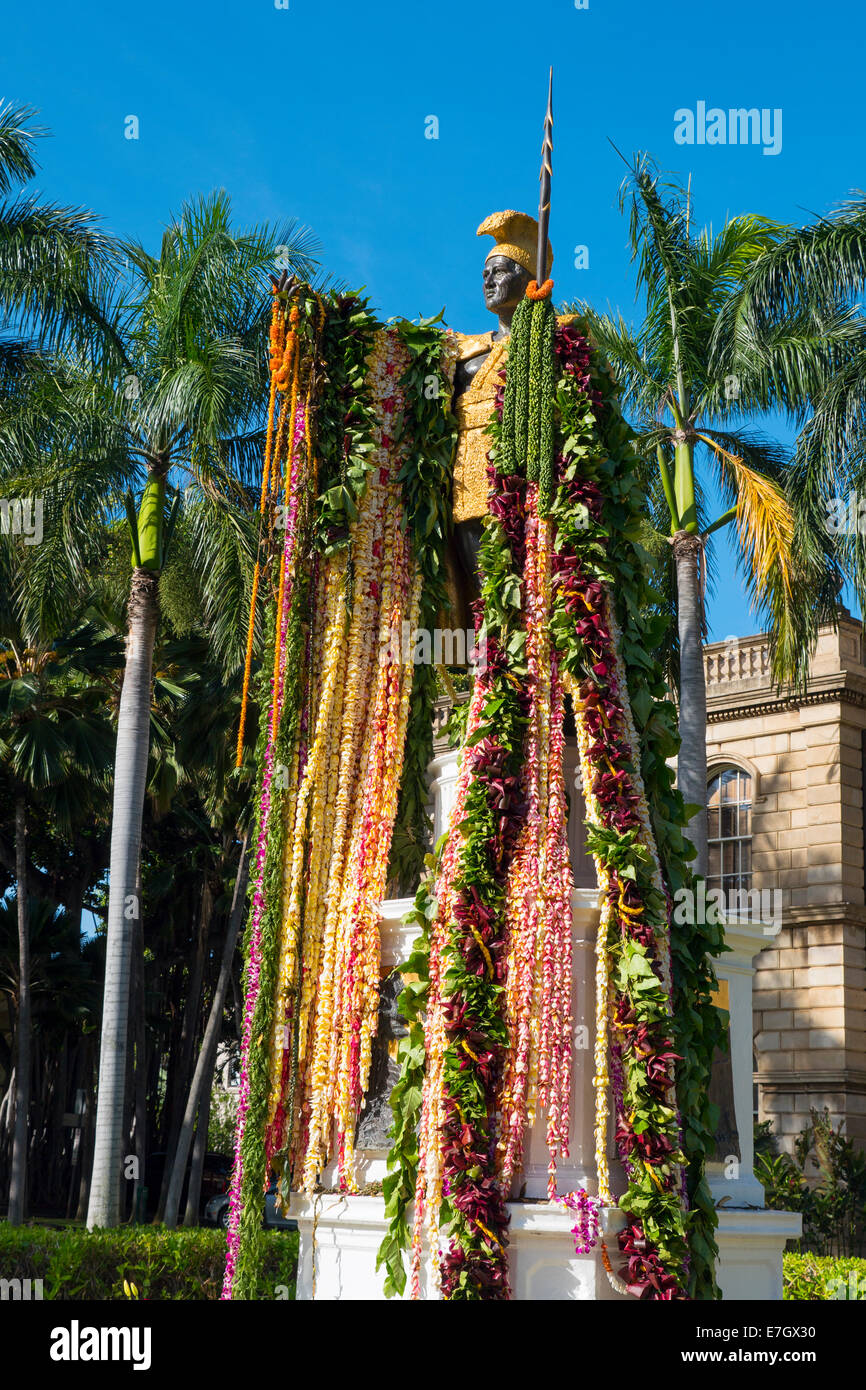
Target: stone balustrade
x,y
741,659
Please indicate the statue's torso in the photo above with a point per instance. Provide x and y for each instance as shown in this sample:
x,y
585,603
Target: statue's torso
x,y
476,381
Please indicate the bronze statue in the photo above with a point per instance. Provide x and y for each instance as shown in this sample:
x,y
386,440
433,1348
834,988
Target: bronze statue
x,y
508,270
375,1119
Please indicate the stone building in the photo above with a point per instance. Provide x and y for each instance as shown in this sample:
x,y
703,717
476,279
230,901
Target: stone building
x,y
785,799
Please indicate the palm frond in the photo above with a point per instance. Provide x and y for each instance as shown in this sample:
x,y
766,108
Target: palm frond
x,y
790,569
637,375
817,264
58,277
765,522
17,144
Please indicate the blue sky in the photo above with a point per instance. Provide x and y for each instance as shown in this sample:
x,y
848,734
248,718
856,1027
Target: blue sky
x,y
318,110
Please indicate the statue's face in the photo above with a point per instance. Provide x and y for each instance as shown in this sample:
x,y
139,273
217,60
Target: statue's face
x,y
504,283
391,1022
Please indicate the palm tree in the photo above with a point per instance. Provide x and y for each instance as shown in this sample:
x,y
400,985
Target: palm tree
x,y
65,997
116,393
813,273
165,424
690,376
18,1175
55,745
194,333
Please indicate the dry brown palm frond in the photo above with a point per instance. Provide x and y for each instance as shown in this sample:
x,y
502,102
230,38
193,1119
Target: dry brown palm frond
x,y
765,522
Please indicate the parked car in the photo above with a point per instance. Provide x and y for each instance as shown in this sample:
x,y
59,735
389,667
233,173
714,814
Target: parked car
x,y
215,1180
217,1212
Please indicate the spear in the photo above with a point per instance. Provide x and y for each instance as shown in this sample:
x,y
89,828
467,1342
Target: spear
x,y
544,198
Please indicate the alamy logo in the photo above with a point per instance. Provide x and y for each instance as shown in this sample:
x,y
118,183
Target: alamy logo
x,y
20,1290
715,906
22,516
854,1287
846,516
444,646
738,126
77,1343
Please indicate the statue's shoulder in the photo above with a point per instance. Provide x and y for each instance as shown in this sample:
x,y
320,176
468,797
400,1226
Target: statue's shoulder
x,y
471,344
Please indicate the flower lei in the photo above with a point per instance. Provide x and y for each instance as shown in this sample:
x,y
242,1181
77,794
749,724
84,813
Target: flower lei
x,y
349,569
637,999
586,1229
359,453
246,1193
494,979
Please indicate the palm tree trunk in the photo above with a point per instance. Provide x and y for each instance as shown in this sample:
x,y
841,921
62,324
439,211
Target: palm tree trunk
x,y
196,1167
203,1077
86,1149
139,1082
183,1070
130,781
18,1177
692,760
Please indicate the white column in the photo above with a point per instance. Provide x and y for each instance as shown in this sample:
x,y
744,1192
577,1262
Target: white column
x,y
735,1182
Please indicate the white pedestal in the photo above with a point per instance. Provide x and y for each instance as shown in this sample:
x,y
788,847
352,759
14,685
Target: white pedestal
x,y
750,1238
341,1263
750,1244
340,1235
734,1183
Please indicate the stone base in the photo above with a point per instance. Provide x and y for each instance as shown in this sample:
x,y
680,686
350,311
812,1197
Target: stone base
x,y
349,1231
751,1243
542,1262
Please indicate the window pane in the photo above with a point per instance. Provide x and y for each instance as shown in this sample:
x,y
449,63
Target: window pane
x,y
729,822
730,786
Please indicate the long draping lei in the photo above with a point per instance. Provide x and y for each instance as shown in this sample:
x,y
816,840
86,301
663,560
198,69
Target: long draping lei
x,y
489,1045
354,520
334,699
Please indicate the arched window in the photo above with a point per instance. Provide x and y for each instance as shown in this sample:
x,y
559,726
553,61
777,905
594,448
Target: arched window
x,y
729,814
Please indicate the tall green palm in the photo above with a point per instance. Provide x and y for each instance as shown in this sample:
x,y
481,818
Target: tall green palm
x,y
188,409
688,387
55,746
813,272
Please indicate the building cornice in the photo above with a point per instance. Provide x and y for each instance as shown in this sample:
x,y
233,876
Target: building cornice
x,y
841,1079
824,914
757,703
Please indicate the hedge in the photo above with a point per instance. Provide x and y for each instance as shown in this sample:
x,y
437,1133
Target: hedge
x,y
811,1277
186,1264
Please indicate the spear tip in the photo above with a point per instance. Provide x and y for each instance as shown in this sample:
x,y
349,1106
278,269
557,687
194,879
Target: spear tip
x,y
545,178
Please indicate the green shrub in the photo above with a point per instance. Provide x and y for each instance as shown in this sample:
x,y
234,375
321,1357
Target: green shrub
x,y
811,1277
187,1264
825,1181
